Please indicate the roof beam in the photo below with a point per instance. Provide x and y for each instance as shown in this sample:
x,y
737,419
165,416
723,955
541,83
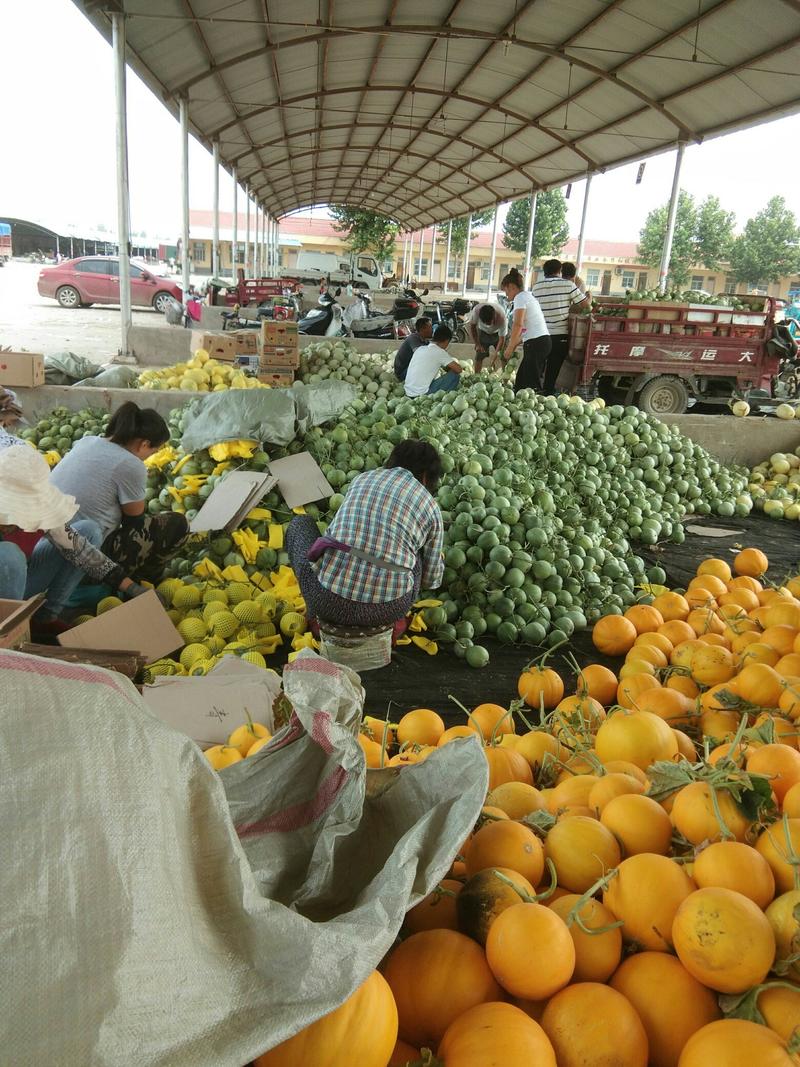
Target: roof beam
x,y
322,75
339,168
373,197
204,45
436,33
368,84
410,87
509,27
251,175
609,126
270,49
664,39
508,113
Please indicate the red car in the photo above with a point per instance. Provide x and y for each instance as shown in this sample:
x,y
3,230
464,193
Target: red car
x,y
95,280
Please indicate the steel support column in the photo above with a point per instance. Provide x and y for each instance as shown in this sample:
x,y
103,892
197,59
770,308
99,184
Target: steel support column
x,y
123,190
235,240
447,255
666,252
582,234
493,257
247,260
432,270
215,218
529,243
257,243
185,246
466,255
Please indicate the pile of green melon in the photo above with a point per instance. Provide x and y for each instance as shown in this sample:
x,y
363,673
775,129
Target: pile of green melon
x,y
61,428
334,359
544,500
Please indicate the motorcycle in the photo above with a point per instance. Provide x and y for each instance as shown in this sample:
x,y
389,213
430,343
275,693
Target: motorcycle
x,y
360,320
324,320
450,313
237,319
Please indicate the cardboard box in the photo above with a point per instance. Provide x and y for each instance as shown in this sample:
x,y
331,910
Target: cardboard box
x,y
141,625
278,356
277,377
15,620
21,368
221,346
233,497
210,708
279,332
299,479
246,342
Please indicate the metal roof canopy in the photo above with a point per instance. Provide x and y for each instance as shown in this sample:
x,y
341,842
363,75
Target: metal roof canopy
x,y
428,109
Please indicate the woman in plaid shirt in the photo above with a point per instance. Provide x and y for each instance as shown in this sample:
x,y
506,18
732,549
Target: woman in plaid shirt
x,y
383,546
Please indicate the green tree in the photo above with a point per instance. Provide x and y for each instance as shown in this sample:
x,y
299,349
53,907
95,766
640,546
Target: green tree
x,y
714,233
769,248
703,236
366,231
550,228
684,243
458,240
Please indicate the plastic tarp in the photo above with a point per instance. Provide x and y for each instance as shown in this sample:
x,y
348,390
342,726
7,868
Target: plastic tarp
x,y
119,377
158,914
65,368
239,414
321,402
274,416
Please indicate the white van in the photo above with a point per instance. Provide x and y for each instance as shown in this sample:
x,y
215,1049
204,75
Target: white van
x,y
360,268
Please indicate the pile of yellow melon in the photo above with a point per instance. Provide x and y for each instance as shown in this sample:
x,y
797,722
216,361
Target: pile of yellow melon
x,y
201,374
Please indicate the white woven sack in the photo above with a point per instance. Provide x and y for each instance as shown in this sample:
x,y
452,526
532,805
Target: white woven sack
x,y
148,918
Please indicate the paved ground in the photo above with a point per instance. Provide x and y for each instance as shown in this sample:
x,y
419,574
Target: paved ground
x,y
32,322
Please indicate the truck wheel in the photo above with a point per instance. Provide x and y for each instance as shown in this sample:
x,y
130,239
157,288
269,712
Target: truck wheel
x,y
664,396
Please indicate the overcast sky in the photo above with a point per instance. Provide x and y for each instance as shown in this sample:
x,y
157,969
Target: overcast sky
x,y
57,144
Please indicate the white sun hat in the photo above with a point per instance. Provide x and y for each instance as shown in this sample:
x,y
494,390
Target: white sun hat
x,y
27,498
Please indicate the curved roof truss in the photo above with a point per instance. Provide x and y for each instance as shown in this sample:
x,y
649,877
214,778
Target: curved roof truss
x,y
428,109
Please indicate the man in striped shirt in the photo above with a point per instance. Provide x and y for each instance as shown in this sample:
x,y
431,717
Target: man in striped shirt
x,y
557,296
383,546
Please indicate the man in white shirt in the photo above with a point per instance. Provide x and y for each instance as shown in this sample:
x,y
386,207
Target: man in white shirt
x,y
426,363
488,327
557,296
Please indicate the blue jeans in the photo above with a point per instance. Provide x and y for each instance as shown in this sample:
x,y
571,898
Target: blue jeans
x,y
446,383
49,572
13,571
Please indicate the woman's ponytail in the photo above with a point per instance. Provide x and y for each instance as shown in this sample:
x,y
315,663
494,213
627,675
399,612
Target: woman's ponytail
x,y
132,423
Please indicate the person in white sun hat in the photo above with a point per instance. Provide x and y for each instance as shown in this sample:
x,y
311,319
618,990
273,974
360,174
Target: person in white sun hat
x,y
64,552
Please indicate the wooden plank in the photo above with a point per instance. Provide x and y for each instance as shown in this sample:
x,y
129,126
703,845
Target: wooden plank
x,y
127,662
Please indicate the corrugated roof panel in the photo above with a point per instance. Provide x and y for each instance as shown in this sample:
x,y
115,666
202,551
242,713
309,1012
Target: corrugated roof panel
x,y
289,87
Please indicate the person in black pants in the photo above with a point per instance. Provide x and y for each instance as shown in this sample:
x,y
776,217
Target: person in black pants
x,y
528,326
557,296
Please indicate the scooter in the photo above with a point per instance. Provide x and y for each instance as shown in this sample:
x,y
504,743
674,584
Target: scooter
x,y
325,320
360,321
237,319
